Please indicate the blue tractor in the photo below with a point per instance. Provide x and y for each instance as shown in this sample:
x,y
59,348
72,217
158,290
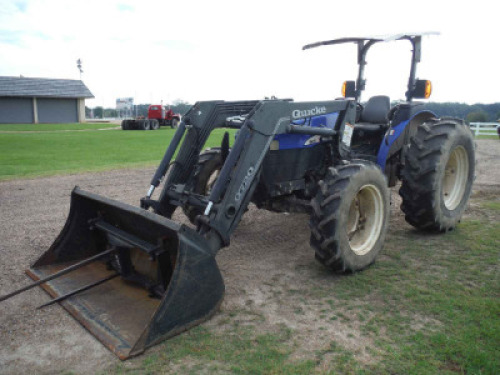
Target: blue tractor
x,y
337,165
334,160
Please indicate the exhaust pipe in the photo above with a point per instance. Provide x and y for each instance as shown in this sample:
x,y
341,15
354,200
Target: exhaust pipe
x,y
169,280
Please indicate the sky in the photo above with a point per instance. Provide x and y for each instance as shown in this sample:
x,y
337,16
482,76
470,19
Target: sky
x,y
195,50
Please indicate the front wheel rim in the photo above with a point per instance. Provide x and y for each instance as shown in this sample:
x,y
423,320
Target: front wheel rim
x,y
365,219
211,181
456,174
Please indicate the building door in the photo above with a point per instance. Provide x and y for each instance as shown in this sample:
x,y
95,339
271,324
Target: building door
x,y
16,110
57,110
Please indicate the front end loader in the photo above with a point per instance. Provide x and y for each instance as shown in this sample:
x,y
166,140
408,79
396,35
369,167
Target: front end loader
x,y
133,277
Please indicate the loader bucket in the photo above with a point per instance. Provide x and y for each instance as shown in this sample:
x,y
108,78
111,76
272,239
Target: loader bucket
x,y
184,286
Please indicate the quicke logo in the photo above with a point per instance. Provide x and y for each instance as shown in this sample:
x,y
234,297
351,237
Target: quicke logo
x,y
309,112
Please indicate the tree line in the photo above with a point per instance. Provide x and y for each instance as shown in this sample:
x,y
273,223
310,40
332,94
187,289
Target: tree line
x,y
471,113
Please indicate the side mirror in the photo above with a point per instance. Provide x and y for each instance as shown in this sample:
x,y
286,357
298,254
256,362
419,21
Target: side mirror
x,y
422,90
349,89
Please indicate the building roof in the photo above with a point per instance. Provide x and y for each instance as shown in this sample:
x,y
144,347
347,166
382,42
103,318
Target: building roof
x,y
43,87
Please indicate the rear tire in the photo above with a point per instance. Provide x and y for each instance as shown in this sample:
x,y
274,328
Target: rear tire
x,y
146,124
125,125
438,175
350,217
208,168
155,125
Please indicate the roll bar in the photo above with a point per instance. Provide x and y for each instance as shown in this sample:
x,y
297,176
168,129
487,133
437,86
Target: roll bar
x,y
364,44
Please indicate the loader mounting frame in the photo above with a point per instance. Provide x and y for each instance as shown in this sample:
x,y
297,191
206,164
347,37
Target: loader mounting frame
x,y
237,180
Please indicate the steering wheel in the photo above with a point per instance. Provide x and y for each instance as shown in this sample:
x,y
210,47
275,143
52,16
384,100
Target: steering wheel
x,y
392,112
359,110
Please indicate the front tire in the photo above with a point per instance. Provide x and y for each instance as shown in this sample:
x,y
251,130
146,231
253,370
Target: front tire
x,y
174,123
350,217
438,175
208,169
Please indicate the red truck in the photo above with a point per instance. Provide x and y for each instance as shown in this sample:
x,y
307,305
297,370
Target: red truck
x,y
158,116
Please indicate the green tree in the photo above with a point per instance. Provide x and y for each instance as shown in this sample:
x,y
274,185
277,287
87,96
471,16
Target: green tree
x,y
110,112
477,116
98,112
180,106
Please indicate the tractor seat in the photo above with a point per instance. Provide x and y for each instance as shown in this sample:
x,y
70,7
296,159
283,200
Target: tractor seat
x,y
373,117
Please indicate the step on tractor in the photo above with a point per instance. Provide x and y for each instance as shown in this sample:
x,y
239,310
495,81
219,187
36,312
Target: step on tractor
x,y
133,277
158,116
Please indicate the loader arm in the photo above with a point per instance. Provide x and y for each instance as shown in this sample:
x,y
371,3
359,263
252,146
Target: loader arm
x,y
240,173
201,119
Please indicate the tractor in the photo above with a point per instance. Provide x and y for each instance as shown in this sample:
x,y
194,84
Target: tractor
x,y
134,277
158,116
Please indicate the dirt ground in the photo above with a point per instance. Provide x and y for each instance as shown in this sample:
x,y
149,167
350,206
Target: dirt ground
x,y
269,253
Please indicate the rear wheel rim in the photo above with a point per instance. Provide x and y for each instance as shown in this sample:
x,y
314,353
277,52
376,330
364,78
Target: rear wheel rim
x,y
365,219
456,174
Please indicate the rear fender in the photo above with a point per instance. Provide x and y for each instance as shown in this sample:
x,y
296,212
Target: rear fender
x,y
399,135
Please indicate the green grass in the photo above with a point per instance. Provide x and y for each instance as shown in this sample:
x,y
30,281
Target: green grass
x,y
492,205
54,127
437,301
487,137
50,153
429,306
240,352
458,300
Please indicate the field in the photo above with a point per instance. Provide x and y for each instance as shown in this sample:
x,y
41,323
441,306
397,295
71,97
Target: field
x,y
429,305
60,149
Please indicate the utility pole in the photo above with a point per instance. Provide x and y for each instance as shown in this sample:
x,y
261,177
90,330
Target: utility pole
x,y
79,66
